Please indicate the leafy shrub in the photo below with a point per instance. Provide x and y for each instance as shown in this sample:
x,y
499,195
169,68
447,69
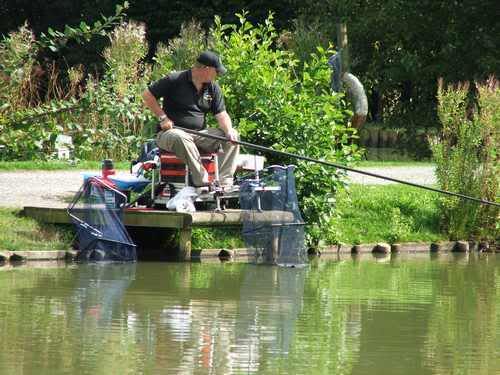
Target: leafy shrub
x,y
123,57
275,106
466,156
180,53
29,124
115,119
17,52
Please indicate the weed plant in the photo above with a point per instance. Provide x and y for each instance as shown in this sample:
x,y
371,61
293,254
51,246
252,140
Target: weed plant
x,y
181,52
16,60
467,159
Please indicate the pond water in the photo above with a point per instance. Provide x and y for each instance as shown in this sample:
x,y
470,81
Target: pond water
x,y
393,315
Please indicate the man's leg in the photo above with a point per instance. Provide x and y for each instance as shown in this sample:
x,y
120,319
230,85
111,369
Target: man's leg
x,y
183,146
227,161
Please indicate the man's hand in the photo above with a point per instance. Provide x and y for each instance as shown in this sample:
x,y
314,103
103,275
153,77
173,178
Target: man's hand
x,y
232,135
166,124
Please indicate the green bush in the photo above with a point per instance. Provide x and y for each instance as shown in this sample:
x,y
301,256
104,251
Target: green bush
x,y
181,52
99,122
466,156
17,52
275,105
113,124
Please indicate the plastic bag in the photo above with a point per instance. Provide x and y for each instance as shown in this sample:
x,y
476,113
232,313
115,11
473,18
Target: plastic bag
x,y
183,201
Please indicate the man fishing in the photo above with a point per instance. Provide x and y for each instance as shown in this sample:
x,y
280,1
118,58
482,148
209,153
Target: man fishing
x,y
187,97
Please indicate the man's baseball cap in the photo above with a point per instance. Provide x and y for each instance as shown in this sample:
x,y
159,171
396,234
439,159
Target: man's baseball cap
x,y
209,58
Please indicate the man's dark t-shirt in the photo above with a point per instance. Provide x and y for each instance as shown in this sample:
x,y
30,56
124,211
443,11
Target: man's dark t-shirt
x,y
183,104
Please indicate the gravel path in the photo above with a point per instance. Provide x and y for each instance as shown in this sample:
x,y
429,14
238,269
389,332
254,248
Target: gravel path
x,y
56,188
423,175
39,188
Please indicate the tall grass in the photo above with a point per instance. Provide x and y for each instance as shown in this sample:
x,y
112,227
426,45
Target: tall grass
x,y
123,57
115,120
467,159
17,52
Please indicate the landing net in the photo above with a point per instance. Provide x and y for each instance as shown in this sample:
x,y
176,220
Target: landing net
x,y
97,213
272,224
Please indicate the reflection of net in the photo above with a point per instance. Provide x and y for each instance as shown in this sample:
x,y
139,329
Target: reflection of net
x,y
272,224
99,291
270,301
97,212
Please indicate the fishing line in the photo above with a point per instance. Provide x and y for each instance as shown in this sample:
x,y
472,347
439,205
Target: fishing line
x,y
335,165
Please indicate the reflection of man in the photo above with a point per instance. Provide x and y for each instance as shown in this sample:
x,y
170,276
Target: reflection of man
x,y
187,97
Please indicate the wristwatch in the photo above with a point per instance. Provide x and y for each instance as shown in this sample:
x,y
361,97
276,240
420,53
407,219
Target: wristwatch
x,y
162,118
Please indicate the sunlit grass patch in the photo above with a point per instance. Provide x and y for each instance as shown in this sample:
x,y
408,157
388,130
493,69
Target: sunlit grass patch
x,y
217,238
23,233
390,213
55,165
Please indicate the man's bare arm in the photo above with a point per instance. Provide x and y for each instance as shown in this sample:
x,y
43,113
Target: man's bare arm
x,y
226,125
151,102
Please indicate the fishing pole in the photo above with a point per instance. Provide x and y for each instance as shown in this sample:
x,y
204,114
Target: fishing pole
x,y
335,165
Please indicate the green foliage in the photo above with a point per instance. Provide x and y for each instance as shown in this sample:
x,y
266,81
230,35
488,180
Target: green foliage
x,y
123,57
466,156
30,133
115,117
181,52
114,123
275,106
17,52
56,40
106,120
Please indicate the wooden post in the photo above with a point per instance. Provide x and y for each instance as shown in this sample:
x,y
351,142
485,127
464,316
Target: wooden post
x,y
343,46
185,243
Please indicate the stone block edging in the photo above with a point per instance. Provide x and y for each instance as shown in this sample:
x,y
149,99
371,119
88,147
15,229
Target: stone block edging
x,y
411,247
24,256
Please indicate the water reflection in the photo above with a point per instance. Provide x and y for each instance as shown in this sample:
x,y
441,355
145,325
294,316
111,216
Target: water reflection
x,y
234,324
270,301
99,291
398,314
